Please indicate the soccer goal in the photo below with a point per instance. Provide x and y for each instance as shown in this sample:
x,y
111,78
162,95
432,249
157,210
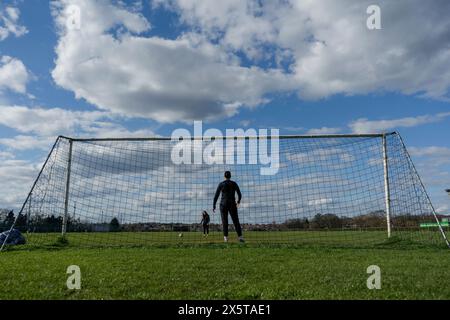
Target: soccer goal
x,y
338,190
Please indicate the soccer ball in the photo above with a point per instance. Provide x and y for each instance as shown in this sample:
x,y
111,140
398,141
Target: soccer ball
x,y
180,235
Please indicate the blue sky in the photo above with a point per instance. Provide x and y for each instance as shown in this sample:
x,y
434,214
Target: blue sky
x,y
231,65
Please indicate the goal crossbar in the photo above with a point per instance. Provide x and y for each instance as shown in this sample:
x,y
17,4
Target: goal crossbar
x,y
161,138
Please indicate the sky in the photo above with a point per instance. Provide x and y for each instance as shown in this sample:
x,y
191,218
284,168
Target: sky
x,y
107,68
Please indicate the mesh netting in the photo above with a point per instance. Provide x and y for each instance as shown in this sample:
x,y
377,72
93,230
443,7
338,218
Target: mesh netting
x,y
328,190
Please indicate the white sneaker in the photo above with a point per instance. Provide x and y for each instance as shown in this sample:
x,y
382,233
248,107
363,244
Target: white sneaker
x,y
225,239
241,239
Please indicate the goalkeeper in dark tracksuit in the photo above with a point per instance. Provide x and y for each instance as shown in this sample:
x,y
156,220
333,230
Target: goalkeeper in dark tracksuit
x,y
229,205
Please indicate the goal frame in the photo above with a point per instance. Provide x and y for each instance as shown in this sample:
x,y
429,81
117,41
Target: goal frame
x,y
382,136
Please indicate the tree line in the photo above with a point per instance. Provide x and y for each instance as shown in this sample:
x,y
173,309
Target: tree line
x,y
375,220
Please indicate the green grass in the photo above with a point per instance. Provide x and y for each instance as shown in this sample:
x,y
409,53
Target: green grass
x,y
233,271
341,239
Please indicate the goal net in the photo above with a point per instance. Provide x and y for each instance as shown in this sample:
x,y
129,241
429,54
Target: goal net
x,y
339,190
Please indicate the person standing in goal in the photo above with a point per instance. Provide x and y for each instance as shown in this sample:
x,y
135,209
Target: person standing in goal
x,y
228,204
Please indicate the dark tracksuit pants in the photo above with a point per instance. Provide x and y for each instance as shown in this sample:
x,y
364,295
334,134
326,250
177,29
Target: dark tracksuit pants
x,y
205,228
232,210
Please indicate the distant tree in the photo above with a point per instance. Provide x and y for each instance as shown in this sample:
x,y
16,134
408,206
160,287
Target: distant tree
x,y
3,214
297,224
326,221
114,225
375,219
9,220
21,220
52,224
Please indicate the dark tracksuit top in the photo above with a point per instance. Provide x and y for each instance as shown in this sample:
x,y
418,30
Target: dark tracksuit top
x,y
228,188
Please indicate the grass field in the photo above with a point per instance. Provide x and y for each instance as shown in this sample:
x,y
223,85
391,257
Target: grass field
x,y
227,271
343,238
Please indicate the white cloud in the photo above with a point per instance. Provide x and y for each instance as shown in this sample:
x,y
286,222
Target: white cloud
x,y
23,142
166,80
314,48
245,123
114,130
319,202
13,74
52,121
238,25
443,209
39,127
364,125
328,45
434,154
4,155
9,25
324,130
432,163
16,177
332,157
